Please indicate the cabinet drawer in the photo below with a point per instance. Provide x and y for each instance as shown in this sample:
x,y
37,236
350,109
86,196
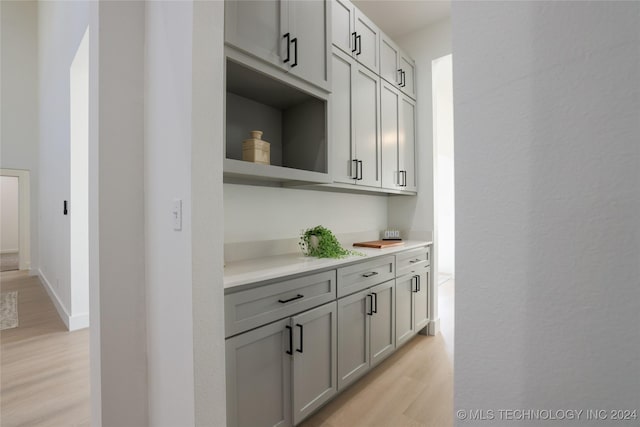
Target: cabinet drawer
x,y
413,261
255,307
365,274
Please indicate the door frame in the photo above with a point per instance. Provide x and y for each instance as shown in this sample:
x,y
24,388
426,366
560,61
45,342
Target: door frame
x,y
24,215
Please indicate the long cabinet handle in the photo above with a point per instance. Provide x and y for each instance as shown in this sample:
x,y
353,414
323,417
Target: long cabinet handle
x,y
290,299
301,349
356,172
419,284
287,38
404,79
294,41
355,42
399,75
370,312
375,304
416,289
369,274
359,43
290,351
360,175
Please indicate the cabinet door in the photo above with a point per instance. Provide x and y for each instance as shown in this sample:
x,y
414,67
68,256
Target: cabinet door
x,y
407,143
367,49
256,27
342,130
421,296
383,325
342,20
405,328
259,377
389,109
315,359
407,65
389,59
353,337
307,25
366,97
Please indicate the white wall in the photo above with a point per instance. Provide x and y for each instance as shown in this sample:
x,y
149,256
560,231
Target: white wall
x,y
547,123
416,214
9,215
444,192
79,180
19,100
167,177
61,26
273,213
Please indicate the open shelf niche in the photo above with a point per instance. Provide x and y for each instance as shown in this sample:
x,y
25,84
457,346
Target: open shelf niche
x,y
294,122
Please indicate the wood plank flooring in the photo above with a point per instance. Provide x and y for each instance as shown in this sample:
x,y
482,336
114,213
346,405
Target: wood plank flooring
x,y
45,373
412,388
44,369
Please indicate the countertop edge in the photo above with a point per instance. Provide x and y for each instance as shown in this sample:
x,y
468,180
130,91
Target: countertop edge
x,y
294,265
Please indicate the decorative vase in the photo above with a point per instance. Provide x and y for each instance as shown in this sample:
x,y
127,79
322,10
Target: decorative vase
x,y
255,149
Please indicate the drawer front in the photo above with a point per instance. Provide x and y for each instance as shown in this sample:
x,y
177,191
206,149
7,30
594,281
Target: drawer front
x,y
413,261
365,274
258,306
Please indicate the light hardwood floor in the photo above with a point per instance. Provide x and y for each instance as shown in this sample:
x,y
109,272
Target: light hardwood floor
x,y
412,388
44,369
45,373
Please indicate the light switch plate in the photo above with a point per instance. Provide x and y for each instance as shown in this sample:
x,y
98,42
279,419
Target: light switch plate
x,y
176,213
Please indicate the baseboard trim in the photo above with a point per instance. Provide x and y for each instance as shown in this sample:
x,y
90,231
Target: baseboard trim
x,y
433,327
62,312
78,321
9,251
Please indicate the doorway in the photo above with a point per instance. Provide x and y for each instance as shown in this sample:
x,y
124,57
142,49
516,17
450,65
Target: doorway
x,y
444,165
15,253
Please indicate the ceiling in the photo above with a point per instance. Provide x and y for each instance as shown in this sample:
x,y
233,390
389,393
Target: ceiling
x,y
400,17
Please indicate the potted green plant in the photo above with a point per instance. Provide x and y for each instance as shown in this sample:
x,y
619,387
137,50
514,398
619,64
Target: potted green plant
x,y
320,242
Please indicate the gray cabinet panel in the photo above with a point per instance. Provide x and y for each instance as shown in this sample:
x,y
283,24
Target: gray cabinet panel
x,y
407,65
389,57
366,104
342,21
315,359
407,143
365,274
405,327
389,110
255,26
421,318
367,52
353,338
342,131
258,374
254,307
412,261
308,26
383,325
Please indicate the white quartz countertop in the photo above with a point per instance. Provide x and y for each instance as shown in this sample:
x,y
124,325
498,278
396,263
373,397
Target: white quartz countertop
x,y
261,269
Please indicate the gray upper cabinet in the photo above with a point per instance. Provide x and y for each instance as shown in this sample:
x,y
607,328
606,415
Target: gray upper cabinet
x,y
367,39
397,67
255,27
355,34
289,34
258,372
398,121
315,355
342,25
389,60
355,103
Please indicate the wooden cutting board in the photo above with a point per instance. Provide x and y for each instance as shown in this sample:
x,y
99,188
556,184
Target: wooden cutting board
x,y
379,244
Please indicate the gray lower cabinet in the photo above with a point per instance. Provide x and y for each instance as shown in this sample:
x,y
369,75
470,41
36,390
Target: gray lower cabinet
x,y
366,333
314,359
279,373
259,377
412,304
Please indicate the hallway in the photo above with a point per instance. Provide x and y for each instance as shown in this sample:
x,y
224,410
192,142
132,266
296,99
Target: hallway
x,y
44,368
